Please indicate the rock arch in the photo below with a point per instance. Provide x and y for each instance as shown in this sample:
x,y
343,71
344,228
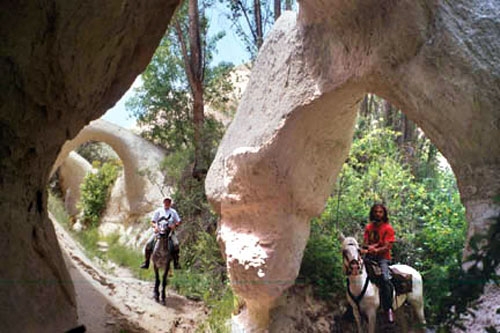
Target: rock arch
x,y
138,157
436,61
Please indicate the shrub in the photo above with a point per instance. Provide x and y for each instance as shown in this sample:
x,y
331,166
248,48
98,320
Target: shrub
x,y
322,263
95,191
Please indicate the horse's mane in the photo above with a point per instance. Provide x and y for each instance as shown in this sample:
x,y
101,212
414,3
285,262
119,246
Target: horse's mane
x,y
350,241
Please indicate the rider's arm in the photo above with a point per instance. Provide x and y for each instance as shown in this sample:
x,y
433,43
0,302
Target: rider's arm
x,y
382,247
387,240
154,226
177,219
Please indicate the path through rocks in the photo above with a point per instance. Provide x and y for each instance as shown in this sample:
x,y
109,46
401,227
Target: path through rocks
x,y
118,303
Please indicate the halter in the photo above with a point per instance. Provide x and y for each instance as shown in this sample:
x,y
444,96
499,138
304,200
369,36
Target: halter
x,y
359,261
348,271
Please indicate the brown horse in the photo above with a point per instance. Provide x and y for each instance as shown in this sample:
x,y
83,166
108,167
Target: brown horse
x,y
162,256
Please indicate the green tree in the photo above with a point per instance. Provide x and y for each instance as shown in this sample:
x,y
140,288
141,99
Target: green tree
x,y
97,151
178,84
424,208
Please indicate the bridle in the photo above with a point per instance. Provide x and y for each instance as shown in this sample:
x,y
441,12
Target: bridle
x,y
348,264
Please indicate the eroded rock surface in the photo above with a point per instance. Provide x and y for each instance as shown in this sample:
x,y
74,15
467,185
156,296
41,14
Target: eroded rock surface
x,y
436,60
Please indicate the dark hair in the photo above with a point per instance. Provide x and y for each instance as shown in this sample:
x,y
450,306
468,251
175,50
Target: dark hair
x,y
372,212
167,199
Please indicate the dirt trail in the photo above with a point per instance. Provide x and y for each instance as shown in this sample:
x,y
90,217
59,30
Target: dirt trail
x,y
109,304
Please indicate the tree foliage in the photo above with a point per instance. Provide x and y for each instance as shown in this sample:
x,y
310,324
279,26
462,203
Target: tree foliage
x,y
424,208
178,83
253,19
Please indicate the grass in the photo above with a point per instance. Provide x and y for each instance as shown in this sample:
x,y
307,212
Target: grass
x,y
56,207
126,257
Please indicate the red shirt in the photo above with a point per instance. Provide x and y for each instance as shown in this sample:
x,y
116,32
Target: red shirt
x,y
380,235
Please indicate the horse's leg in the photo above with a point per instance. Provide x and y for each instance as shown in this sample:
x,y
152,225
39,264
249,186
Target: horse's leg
x,y
418,307
371,314
357,316
157,284
416,299
164,284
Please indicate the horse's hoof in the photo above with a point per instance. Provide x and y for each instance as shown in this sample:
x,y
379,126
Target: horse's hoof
x,y
163,302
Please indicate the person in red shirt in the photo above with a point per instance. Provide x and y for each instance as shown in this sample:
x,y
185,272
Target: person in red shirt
x,y
378,239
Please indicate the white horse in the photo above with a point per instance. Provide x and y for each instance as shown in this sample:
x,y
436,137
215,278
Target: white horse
x,y
363,295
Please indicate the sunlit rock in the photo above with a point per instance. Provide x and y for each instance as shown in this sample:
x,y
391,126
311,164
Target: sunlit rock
x,y
437,61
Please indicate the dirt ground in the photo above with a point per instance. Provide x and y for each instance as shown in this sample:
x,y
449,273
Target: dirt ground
x,y
121,303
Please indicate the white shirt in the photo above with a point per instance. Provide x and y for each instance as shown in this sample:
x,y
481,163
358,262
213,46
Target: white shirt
x,y
168,214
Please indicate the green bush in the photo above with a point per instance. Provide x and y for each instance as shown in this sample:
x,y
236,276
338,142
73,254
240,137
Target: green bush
x,y
322,263
95,191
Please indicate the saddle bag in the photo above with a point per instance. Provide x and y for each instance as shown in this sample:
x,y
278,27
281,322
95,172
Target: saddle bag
x,y
403,283
374,271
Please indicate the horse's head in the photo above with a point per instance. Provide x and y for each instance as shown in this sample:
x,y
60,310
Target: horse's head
x,y
351,257
163,228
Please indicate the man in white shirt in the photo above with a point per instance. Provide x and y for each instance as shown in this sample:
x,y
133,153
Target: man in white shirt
x,y
170,215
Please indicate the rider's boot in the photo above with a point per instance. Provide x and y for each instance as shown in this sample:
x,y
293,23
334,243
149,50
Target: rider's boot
x,y
176,260
147,256
390,316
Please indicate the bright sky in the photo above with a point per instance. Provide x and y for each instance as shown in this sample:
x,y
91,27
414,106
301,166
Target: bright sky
x,y
230,49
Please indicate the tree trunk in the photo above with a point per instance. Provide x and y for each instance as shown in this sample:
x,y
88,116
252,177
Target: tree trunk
x,y
409,129
363,107
259,32
389,114
277,9
196,83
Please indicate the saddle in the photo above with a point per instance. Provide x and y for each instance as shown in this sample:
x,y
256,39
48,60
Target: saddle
x,y
402,282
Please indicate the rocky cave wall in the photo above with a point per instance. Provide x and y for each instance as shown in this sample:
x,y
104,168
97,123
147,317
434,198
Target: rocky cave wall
x,y
436,60
62,64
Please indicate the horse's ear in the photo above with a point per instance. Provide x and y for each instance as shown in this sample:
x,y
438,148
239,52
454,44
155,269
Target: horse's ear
x,y
341,237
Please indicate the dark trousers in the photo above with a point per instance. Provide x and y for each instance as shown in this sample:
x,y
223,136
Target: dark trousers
x,y
386,286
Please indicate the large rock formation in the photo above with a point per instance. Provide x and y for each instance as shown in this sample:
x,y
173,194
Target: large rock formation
x,y
62,64
72,172
143,182
436,60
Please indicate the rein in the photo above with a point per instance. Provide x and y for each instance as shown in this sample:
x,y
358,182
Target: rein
x,y
358,298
